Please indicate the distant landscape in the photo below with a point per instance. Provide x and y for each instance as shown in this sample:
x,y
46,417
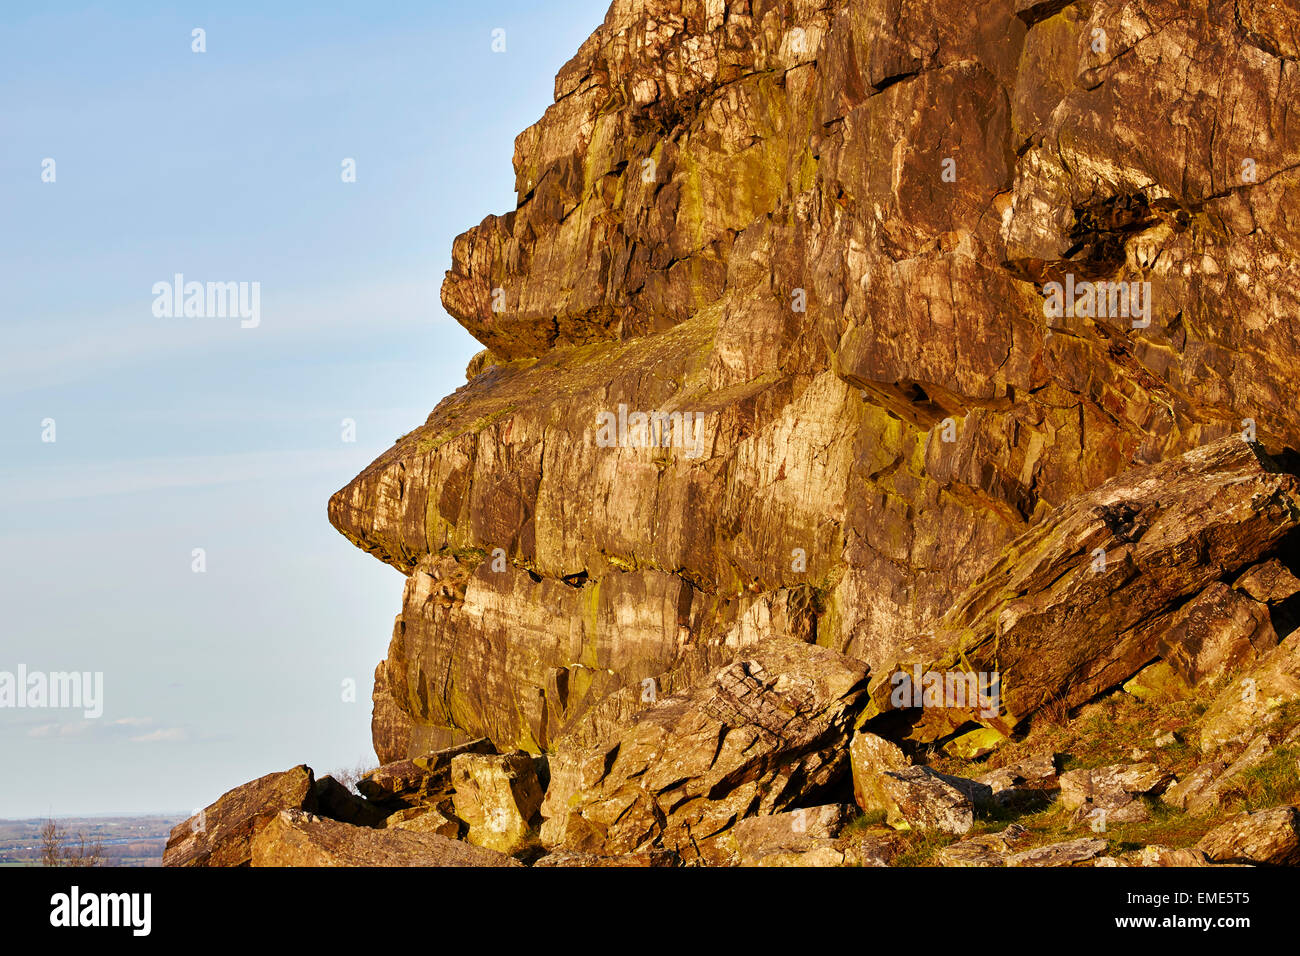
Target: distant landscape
x,y
126,841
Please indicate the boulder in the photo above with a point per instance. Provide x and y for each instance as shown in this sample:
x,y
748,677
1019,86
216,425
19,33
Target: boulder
x,y
1118,783
1056,623
1070,853
1196,782
753,738
1215,634
1024,784
987,849
650,858
869,757
1156,855
1253,699
920,798
418,781
1269,581
499,797
440,820
787,835
222,833
1265,837
337,802
297,838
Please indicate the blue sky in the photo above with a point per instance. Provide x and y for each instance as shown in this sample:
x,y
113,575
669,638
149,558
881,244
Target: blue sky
x,y
180,433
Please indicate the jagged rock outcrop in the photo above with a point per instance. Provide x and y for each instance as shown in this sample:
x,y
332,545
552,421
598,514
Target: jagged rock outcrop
x,y
828,232
833,344
756,737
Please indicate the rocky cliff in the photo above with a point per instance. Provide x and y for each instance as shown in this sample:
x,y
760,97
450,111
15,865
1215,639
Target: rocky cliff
x,y
840,357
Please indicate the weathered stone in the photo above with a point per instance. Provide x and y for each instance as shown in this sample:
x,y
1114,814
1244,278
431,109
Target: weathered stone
x,y
1216,633
440,820
1251,701
872,847
1196,782
296,838
222,833
1158,683
743,213
975,743
337,802
498,797
753,738
418,781
788,835
1269,581
869,757
633,860
740,212
1025,784
1057,624
1105,786
1264,837
1206,795
1070,853
987,849
923,799
1156,855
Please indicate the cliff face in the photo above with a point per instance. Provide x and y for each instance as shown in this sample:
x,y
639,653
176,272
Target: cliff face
x,y
841,358
828,231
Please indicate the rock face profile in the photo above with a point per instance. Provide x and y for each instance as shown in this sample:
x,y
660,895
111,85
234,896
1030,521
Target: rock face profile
x,y
882,403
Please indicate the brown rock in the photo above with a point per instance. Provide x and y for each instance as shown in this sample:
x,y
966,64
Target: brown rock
x,y
753,738
1269,581
1070,853
337,802
1269,837
1253,699
418,781
988,849
296,838
870,756
1057,623
440,820
923,799
498,797
222,833
633,860
1216,633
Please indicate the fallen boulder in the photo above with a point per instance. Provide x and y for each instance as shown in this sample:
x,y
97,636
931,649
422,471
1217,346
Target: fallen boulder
x,y
1269,837
498,796
298,838
755,737
221,834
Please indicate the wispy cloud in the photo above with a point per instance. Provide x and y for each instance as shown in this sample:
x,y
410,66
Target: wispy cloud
x,y
170,735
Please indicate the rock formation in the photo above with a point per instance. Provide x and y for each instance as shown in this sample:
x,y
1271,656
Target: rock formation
x,y
892,369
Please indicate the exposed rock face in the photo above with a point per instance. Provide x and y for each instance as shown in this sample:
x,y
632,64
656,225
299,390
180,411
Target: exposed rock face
x,y
757,736
1078,604
831,343
828,231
